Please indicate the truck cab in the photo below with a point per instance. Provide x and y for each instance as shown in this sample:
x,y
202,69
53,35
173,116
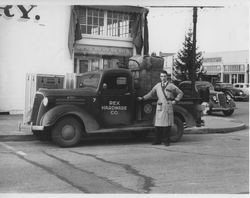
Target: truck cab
x,y
103,101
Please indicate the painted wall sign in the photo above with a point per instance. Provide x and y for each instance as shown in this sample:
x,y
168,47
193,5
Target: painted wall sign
x,y
8,11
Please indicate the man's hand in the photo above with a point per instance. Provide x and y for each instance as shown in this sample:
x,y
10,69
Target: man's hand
x,y
139,98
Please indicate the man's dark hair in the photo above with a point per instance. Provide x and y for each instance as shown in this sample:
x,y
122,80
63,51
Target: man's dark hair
x,y
164,72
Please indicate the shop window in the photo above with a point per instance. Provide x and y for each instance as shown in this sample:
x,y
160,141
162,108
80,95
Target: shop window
x,y
234,78
241,78
107,64
95,65
83,66
226,78
104,23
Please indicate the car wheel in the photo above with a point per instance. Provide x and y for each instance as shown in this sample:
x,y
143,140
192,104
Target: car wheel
x,y
177,130
228,112
67,132
42,135
209,112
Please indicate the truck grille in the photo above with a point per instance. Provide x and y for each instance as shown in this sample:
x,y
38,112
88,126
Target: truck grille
x,y
222,99
36,105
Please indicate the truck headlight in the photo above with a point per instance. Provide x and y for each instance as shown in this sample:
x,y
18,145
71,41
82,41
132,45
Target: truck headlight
x,y
228,97
45,101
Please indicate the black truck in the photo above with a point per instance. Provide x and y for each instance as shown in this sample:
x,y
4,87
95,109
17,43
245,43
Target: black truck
x,y
105,101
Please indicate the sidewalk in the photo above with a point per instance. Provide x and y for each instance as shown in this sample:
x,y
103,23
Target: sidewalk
x,y
213,124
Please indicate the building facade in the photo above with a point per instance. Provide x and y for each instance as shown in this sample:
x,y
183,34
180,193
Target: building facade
x,y
229,67
61,39
109,36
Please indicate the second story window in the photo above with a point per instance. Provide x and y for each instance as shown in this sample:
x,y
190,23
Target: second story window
x,y
105,23
91,21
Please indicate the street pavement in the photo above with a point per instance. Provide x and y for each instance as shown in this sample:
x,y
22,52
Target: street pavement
x,y
213,124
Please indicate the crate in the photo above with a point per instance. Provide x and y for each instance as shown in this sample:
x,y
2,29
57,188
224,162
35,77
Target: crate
x,y
146,71
33,83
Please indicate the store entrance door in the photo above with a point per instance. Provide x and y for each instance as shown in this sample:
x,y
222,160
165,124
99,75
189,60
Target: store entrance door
x,y
233,78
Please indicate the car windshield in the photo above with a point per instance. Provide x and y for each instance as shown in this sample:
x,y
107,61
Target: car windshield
x,y
205,84
89,80
226,85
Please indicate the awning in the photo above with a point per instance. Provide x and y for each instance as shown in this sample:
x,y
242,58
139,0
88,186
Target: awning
x,y
103,50
129,9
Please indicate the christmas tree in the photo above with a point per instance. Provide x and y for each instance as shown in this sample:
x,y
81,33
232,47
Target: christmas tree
x,y
182,68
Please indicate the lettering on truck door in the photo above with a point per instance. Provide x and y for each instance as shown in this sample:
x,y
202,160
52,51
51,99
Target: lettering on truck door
x,y
117,102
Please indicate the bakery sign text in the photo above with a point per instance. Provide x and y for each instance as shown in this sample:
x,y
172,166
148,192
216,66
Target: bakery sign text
x,y
24,11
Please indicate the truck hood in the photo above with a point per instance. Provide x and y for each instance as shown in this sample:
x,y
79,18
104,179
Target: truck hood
x,y
87,91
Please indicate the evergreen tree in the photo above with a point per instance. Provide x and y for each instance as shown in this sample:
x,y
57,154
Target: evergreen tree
x,y
182,68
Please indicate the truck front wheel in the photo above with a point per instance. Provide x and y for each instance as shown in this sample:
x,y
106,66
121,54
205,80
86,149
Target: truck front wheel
x,y
67,132
177,130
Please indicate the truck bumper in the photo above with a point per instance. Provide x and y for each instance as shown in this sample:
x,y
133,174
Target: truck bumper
x,y
29,127
222,109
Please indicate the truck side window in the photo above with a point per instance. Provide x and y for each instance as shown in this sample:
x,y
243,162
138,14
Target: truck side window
x,y
116,84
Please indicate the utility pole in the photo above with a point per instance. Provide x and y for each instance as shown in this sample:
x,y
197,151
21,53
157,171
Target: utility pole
x,y
193,75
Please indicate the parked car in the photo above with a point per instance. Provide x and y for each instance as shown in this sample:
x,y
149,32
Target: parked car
x,y
229,89
218,101
242,86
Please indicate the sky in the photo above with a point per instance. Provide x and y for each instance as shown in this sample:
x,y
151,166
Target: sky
x,y
218,29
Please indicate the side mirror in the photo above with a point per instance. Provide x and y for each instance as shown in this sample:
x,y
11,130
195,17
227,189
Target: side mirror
x,y
81,85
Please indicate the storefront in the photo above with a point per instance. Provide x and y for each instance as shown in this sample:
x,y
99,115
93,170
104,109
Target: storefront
x,y
61,39
110,35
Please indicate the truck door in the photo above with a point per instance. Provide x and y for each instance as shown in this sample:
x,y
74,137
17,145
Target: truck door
x,y
117,100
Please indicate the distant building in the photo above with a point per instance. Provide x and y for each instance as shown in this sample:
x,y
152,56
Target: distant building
x,y
228,66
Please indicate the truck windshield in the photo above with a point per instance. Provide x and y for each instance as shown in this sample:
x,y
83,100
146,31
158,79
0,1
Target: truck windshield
x,y
89,80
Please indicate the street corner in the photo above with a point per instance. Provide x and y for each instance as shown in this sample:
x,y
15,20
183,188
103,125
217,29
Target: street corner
x,y
214,124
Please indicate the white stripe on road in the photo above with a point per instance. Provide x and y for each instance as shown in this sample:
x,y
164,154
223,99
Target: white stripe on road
x,y
21,153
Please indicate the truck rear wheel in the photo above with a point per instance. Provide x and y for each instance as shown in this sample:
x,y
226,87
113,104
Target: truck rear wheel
x,y
67,132
177,130
228,112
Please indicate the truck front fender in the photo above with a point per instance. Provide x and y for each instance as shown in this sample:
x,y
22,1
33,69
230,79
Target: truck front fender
x,y
184,115
51,117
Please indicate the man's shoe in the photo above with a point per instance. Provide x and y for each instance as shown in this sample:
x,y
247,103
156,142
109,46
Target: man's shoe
x,y
166,143
156,143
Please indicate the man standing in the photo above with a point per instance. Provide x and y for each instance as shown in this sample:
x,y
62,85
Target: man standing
x,y
167,94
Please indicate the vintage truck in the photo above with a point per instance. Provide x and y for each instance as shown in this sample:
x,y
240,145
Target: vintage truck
x,y
106,101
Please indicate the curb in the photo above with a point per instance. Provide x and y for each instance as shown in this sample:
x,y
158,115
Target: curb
x,y
15,138
206,130
194,130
